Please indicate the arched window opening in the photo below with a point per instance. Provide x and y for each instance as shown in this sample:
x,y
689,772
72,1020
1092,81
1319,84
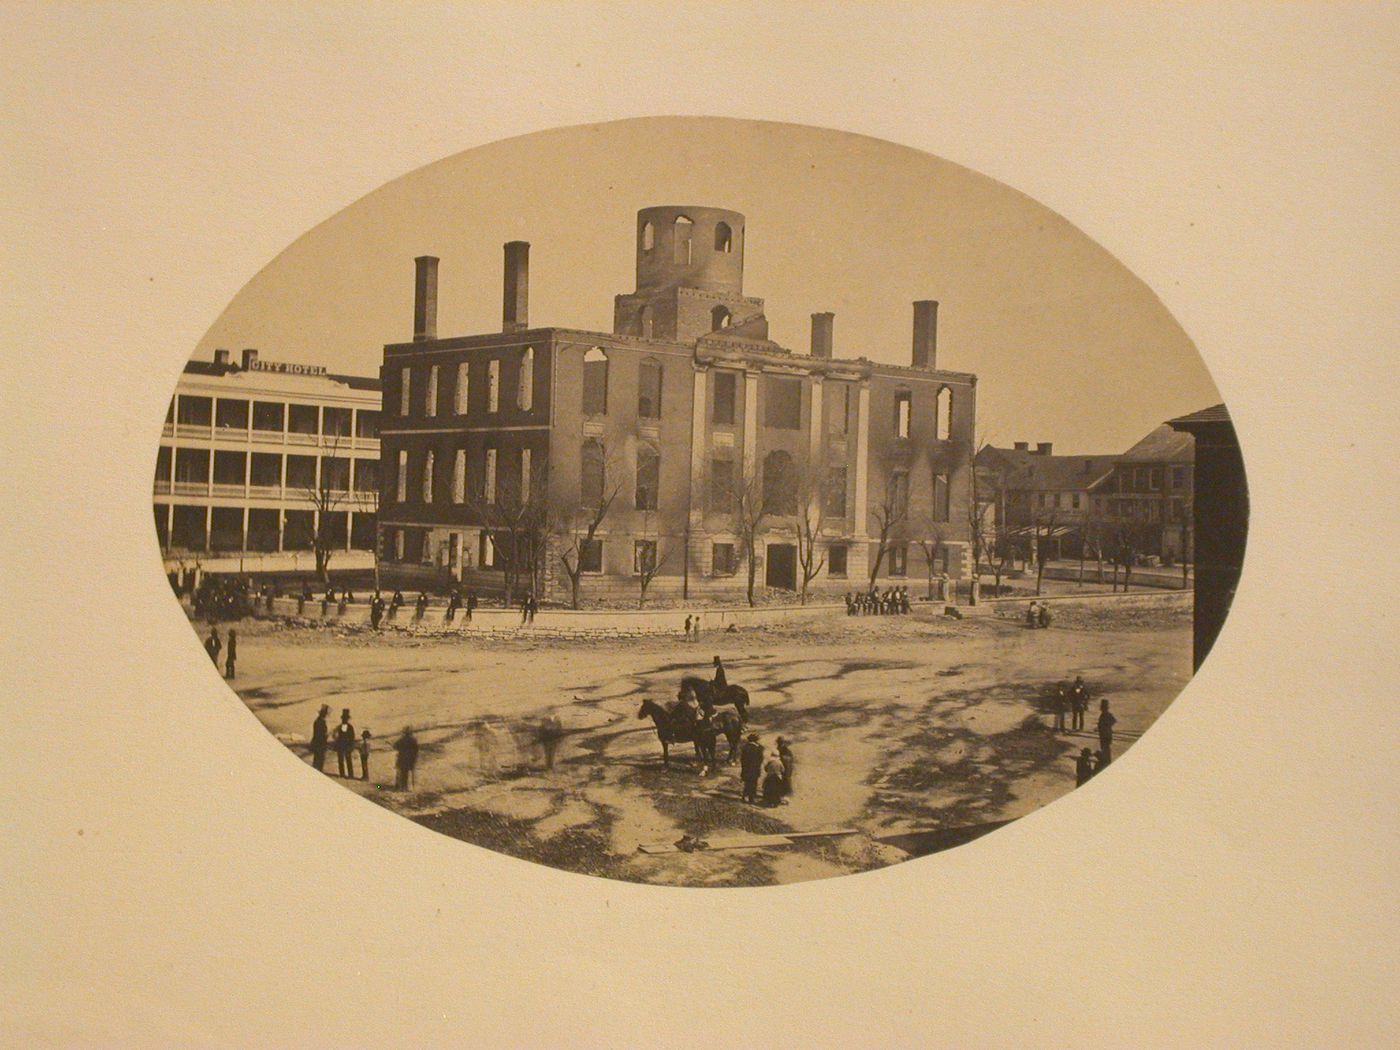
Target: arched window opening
x,y
943,416
779,483
525,392
595,382
724,238
680,233
719,318
648,477
591,474
645,323
648,236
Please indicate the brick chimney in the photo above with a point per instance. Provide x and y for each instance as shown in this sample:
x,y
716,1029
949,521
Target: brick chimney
x,y
1022,446
925,334
1043,448
425,298
221,357
821,334
250,357
515,305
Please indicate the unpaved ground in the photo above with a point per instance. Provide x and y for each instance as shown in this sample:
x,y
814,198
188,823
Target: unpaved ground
x,y
899,725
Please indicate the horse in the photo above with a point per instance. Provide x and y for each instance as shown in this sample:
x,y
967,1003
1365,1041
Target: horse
x,y
704,693
679,724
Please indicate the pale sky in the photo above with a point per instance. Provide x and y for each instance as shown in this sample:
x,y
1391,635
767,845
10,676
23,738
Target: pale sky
x,y
1068,345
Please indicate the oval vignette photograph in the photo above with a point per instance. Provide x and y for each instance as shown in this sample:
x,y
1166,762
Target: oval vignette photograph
x,y
701,502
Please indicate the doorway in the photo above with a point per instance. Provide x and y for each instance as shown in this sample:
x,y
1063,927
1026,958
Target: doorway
x,y
782,566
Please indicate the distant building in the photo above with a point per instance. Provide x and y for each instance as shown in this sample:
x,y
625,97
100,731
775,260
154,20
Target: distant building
x,y
498,447
1220,519
1038,497
259,460
1147,498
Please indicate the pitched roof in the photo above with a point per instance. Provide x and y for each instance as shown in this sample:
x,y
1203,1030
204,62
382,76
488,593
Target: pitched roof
x,y
1032,470
1214,414
1163,445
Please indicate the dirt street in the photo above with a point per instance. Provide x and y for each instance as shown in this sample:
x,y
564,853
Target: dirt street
x,y
919,733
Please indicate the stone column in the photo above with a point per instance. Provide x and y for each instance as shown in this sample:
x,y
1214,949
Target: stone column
x,y
815,463
862,460
697,447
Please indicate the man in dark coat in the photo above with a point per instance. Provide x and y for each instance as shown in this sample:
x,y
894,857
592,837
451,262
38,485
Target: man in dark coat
x,y
376,611
421,607
1105,727
345,745
471,605
1061,704
721,683
395,604
785,756
320,737
1079,701
405,759
212,645
231,654
1083,767
750,766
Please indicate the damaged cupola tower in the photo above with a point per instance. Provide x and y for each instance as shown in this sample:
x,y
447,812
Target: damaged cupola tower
x,y
570,460
690,278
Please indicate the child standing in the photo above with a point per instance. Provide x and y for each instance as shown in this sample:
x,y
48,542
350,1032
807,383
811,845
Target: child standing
x,y
364,755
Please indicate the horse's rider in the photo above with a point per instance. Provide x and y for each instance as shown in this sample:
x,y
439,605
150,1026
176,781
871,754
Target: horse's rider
x,y
720,682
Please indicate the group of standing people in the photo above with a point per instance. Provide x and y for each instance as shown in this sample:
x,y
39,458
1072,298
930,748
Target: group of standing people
x,y
1037,615
775,771
692,628
893,601
213,646
346,745
1072,701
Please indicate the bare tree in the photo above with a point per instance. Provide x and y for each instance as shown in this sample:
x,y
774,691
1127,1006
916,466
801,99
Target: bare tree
x,y
576,524
516,517
930,541
1043,525
814,492
890,518
327,497
649,558
749,508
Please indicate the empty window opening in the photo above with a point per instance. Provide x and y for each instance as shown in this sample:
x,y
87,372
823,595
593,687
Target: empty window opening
x,y
648,236
595,382
719,318
525,389
649,390
726,392
782,402
462,395
943,415
779,483
648,477
681,231
903,410
724,238
591,474
836,560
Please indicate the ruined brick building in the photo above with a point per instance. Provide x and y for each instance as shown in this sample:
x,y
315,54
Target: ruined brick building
x,y
686,421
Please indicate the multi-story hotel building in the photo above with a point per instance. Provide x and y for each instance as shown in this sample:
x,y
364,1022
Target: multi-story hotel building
x,y
684,414
260,462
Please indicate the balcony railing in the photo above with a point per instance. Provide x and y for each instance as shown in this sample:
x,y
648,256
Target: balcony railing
x,y
193,430
191,488
229,490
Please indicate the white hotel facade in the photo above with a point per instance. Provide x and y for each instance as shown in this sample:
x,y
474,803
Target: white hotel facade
x,y
257,458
